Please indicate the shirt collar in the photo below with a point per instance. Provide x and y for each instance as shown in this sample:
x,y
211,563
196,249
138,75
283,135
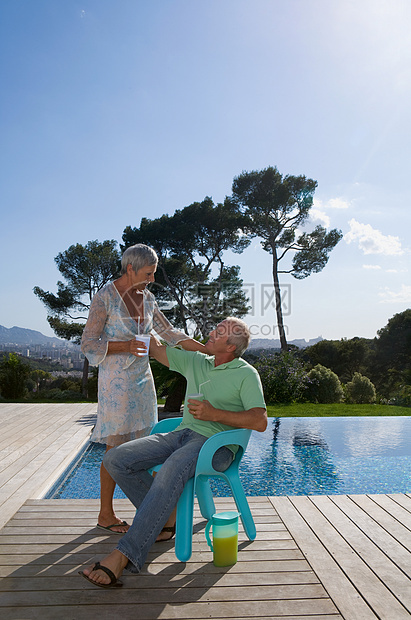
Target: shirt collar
x,y
235,363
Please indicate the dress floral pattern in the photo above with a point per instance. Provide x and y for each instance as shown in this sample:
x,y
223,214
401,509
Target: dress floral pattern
x,y
127,404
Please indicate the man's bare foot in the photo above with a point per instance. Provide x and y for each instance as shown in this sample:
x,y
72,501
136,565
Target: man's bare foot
x,y
115,562
112,523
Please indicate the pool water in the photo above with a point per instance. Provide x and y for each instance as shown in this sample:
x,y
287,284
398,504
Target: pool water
x,y
294,456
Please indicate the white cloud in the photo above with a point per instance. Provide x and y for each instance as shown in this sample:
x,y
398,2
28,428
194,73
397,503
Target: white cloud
x,y
337,203
333,203
372,241
319,216
319,208
371,267
390,297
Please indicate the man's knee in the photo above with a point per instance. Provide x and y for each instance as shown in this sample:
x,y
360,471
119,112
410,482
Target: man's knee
x,y
223,458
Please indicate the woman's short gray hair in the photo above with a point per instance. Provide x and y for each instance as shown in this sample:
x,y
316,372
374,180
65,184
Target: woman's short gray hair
x,y
138,256
239,335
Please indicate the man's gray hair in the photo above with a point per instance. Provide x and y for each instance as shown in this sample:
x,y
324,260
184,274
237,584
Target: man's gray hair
x,y
138,256
239,335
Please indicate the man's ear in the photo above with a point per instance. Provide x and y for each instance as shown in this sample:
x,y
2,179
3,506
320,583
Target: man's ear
x,y
230,348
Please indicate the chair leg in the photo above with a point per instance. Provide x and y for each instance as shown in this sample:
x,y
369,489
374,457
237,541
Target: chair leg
x,y
205,497
243,507
184,523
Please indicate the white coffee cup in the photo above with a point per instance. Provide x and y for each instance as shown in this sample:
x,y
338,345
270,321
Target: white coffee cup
x,y
146,341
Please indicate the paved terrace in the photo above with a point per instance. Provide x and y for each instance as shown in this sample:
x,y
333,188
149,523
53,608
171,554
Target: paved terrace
x,y
315,558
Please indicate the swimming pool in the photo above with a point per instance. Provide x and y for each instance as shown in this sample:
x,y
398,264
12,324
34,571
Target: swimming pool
x,y
295,456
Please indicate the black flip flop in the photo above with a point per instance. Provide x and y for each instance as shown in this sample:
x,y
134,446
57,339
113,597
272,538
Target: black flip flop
x,y
114,582
109,528
168,528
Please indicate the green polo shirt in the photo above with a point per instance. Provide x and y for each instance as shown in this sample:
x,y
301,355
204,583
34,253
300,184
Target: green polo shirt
x,y
234,386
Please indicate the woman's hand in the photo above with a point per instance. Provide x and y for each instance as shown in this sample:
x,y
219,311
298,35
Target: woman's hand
x,y
137,348
131,347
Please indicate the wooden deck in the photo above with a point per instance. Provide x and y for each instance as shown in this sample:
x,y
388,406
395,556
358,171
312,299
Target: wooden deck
x,y
37,443
315,558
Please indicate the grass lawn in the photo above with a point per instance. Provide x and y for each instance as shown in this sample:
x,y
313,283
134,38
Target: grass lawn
x,y
301,410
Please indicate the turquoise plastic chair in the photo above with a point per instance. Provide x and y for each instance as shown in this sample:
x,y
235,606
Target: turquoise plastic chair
x,y
200,485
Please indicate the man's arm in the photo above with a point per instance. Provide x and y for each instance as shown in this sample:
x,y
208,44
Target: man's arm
x,y
158,351
254,419
192,345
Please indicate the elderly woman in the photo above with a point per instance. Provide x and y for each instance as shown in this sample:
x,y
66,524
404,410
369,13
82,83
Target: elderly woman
x,y
127,403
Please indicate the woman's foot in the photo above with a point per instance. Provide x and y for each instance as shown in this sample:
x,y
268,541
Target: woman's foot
x,y
112,523
114,564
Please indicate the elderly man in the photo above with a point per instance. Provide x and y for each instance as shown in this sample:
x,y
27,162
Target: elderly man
x,y
233,398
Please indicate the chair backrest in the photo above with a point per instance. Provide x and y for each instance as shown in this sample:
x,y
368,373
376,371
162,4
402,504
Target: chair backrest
x,y
166,425
238,437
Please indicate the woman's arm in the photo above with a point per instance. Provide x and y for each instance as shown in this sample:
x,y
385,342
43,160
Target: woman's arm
x,y
129,347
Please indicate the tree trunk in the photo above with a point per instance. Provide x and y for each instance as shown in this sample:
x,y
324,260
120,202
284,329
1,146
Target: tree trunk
x,y
175,398
85,378
278,307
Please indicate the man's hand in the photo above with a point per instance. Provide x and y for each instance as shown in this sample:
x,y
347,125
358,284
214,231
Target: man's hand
x,y
201,410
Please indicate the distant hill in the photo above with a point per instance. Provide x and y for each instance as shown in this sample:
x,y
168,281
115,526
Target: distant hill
x,y
267,343
23,336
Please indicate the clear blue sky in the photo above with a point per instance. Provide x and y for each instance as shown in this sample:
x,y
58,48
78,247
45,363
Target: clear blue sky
x,y
114,110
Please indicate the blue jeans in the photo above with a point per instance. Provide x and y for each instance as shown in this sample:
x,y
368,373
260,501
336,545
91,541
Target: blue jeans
x,y
155,497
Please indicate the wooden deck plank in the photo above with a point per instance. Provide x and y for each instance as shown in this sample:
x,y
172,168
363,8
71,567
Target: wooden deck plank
x,y
203,611
338,586
388,560
32,456
381,516
394,509
31,444
128,612
48,437
402,499
39,570
331,526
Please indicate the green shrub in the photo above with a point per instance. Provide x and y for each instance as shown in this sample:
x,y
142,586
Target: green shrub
x,y
402,398
71,385
360,390
61,395
324,386
14,373
283,377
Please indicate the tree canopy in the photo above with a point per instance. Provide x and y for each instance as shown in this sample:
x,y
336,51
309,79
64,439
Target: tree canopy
x,y
391,364
195,285
275,208
86,269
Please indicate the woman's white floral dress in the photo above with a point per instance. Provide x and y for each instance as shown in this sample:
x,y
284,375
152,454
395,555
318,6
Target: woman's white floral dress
x,y
127,403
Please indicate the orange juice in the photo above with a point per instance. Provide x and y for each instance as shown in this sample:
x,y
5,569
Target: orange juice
x,y
225,551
